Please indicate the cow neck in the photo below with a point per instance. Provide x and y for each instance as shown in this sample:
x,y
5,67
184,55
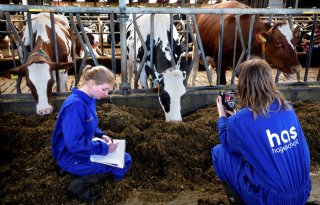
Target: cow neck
x,y
41,53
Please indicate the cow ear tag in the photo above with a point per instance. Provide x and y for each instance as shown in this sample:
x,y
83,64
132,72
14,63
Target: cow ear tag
x,y
14,77
62,70
261,38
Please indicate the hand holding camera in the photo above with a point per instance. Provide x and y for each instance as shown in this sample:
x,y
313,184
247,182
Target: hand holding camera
x,y
228,102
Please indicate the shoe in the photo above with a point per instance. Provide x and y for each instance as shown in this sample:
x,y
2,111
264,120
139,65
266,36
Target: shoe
x,y
87,197
81,187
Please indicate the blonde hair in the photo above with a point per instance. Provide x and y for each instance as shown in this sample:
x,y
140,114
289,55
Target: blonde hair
x,y
257,89
100,75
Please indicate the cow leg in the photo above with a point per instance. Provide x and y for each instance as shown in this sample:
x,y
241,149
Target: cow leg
x,y
223,80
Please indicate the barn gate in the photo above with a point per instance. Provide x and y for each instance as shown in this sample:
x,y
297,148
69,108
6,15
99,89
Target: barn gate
x,y
303,87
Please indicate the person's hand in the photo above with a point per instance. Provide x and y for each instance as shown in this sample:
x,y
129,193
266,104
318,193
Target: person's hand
x,y
106,138
222,111
112,147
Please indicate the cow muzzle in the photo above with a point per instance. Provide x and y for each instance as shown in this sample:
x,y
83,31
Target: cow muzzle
x,y
45,111
296,68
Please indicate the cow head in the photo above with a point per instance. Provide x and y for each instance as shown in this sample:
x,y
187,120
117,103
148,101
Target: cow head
x,y
40,78
170,90
93,38
280,48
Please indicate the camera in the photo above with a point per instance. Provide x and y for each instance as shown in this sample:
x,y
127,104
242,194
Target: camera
x,y
228,100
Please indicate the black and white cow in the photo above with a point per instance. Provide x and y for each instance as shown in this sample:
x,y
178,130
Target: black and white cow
x,y
167,72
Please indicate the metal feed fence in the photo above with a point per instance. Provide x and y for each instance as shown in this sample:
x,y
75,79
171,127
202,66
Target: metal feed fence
x,y
77,21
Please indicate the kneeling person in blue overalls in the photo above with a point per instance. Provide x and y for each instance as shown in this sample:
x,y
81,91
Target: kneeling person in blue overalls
x,y
75,128
263,155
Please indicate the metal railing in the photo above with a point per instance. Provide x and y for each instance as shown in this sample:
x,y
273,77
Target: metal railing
x,y
122,11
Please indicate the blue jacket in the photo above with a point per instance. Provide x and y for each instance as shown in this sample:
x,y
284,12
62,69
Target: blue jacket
x,y
77,124
274,146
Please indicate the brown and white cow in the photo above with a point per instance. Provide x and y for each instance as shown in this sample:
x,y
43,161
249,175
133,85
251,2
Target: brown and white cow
x,y
279,45
39,68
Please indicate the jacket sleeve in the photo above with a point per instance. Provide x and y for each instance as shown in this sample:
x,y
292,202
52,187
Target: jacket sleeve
x,y
228,134
98,133
73,125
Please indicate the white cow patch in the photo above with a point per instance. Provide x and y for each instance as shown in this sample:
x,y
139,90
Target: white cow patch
x,y
286,31
40,22
161,29
173,81
39,75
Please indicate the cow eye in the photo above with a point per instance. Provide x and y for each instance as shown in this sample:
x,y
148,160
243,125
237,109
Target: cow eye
x,y
278,44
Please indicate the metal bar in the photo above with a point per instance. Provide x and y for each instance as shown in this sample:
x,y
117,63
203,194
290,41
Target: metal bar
x,y
234,53
171,32
144,48
221,34
201,49
13,29
163,10
173,63
11,46
310,47
250,35
124,86
16,34
83,45
151,40
84,35
113,46
29,22
195,52
123,46
243,45
73,47
55,50
101,28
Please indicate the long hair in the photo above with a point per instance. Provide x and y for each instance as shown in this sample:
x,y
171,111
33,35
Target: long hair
x,y
257,89
99,74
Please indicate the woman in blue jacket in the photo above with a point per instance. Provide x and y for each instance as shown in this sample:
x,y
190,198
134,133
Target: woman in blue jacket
x,y
263,153
77,124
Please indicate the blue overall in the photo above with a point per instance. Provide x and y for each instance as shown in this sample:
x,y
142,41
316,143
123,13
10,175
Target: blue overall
x,y
72,142
265,160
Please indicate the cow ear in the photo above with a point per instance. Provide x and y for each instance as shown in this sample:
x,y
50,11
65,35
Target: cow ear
x,y
150,73
262,37
184,66
14,72
63,67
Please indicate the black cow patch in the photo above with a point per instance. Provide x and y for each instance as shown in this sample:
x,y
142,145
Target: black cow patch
x,y
164,97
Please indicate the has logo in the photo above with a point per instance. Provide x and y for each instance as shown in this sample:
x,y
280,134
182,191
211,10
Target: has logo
x,y
286,140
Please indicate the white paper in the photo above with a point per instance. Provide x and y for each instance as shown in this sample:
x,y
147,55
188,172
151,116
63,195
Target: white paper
x,y
116,158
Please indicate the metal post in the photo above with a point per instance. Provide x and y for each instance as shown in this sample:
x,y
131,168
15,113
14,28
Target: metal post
x,y
201,49
315,17
145,53
30,30
220,49
243,45
113,46
83,45
124,86
250,35
55,49
152,40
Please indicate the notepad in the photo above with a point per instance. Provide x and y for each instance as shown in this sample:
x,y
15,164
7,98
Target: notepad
x,y
116,158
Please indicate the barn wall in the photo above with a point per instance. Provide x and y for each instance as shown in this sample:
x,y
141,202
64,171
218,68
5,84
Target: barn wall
x,y
193,100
